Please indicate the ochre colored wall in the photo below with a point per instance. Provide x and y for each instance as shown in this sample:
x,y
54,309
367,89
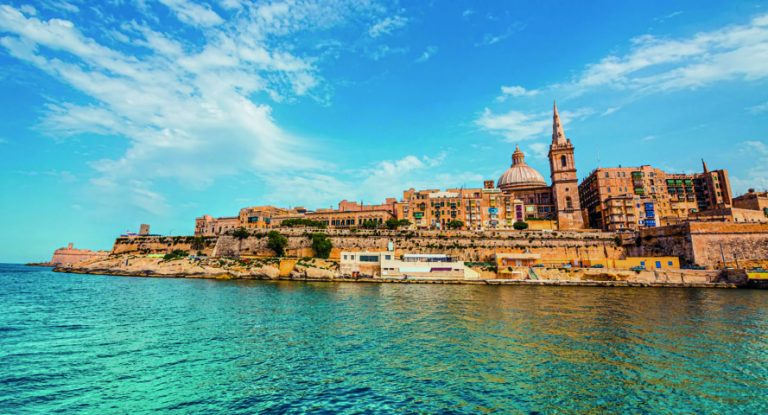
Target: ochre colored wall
x,y
705,243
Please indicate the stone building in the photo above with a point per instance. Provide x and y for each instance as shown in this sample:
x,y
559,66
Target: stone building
x,y
752,200
560,201
675,196
476,208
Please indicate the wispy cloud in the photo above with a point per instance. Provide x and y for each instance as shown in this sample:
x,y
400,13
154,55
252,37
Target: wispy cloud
x,y
192,108
374,183
610,111
737,52
667,16
193,13
468,12
387,26
515,91
756,176
517,126
759,108
492,39
427,54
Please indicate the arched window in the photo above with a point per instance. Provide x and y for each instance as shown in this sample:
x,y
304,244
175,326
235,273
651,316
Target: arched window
x,y
568,202
563,161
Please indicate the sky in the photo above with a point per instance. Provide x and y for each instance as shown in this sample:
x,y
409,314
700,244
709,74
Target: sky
x,y
122,112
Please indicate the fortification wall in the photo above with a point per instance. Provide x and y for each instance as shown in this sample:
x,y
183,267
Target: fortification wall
x,y
706,243
467,246
164,244
70,256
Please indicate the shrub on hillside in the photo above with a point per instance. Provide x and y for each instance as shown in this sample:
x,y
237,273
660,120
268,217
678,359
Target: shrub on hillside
x,y
321,245
277,242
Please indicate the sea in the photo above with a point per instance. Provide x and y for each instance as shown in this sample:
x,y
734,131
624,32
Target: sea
x,y
87,344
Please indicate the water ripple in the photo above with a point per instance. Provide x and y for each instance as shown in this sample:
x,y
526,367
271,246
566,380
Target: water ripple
x,y
92,344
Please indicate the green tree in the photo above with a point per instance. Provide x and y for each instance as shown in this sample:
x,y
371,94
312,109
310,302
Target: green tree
x,y
321,245
241,233
175,254
277,242
393,223
369,224
520,225
294,222
198,243
455,224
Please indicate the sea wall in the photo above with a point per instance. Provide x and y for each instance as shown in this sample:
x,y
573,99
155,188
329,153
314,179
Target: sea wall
x,y
707,243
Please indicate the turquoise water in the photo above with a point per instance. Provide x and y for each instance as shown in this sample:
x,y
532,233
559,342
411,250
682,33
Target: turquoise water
x,y
102,345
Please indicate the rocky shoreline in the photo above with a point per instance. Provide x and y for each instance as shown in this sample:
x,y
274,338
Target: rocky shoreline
x,y
313,270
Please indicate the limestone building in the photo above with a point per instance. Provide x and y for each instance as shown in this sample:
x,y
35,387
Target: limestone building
x,y
651,197
752,200
560,201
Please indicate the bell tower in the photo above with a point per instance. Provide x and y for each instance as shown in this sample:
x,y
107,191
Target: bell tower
x,y
565,183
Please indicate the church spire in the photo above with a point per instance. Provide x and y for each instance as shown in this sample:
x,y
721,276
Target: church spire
x,y
558,135
704,165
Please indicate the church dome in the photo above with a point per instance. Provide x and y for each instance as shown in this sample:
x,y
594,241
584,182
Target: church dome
x,y
520,175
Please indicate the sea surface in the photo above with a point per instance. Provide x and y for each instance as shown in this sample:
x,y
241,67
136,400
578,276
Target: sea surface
x,y
84,344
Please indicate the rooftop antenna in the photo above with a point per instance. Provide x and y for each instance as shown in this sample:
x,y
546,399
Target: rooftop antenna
x,y
598,157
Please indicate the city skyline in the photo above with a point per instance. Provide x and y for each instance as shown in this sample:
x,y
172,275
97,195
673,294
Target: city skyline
x,y
168,111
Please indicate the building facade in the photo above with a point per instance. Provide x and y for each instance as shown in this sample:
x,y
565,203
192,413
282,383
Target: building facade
x,y
752,200
560,201
674,196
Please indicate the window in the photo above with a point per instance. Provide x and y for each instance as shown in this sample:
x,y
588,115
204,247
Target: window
x,y
568,202
563,161
388,257
369,258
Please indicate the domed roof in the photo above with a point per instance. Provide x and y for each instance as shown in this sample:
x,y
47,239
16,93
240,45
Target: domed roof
x,y
520,175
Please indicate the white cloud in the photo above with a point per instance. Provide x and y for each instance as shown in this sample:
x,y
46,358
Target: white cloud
x,y
519,126
467,13
387,26
193,13
755,154
610,111
759,108
663,64
427,54
387,178
382,51
515,91
539,150
668,16
191,112
492,39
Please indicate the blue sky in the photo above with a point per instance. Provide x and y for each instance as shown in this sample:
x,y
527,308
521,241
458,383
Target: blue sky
x,y
117,113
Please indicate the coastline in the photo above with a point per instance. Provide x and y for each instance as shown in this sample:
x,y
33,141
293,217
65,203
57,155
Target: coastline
x,y
294,277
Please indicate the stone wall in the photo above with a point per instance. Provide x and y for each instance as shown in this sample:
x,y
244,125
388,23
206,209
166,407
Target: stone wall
x,y
706,243
465,245
70,255
164,244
